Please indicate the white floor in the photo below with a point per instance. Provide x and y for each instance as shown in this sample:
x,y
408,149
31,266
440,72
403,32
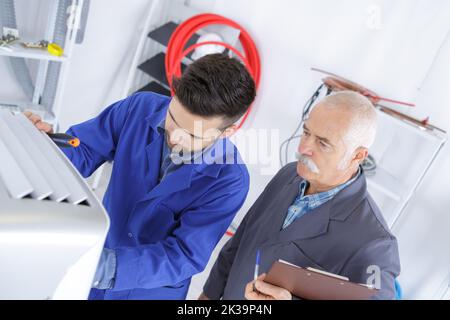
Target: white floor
x,y
198,280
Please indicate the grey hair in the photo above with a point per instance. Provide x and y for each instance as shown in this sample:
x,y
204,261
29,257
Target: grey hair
x,y
362,129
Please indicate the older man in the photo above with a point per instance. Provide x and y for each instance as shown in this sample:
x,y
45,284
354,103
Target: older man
x,y
316,212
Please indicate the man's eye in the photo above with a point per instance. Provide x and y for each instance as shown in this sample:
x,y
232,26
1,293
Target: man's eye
x,y
306,133
323,144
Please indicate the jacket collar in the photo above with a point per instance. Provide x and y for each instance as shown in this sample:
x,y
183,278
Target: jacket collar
x,y
346,200
349,198
316,222
213,160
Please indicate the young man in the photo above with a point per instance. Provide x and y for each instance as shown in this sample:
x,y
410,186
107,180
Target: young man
x,y
177,181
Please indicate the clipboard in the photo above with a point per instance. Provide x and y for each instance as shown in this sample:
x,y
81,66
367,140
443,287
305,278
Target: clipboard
x,y
314,284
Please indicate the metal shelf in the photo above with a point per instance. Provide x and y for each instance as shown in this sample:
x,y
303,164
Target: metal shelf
x,y
155,87
38,109
44,59
162,35
17,50
155,67
394,183
387,184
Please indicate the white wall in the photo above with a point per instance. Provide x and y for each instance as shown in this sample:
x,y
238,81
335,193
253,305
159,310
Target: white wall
x,y
400,49
100,66
423,231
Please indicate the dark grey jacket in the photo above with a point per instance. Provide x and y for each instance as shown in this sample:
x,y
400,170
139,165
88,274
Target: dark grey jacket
x,y
346,235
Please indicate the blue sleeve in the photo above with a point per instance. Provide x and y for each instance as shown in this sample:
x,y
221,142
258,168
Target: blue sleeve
x,y
98,137
187,250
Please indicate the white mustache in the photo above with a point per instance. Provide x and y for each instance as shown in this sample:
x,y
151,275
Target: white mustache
x,y
307,162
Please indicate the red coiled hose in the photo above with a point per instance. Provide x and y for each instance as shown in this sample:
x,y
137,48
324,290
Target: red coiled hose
x,y
182,34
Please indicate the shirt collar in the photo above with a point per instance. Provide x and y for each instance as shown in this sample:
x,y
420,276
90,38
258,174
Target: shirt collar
x,y
317,199
161,126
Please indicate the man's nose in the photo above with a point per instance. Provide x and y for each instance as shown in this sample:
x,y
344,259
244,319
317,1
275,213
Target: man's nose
x,y
175,137
304,147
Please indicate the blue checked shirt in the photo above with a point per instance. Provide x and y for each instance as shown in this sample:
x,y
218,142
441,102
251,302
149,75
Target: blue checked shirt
x,y
305,203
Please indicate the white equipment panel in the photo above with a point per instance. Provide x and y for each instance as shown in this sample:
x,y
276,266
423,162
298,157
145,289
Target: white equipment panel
x,y
52,227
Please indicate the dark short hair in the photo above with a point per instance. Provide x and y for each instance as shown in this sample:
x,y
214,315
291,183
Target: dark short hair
x,y
216,85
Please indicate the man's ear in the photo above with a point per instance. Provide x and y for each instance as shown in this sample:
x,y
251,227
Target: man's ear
x,y
229,131
361,153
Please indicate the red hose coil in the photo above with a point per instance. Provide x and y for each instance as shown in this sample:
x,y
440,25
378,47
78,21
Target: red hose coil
x,y
182,34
